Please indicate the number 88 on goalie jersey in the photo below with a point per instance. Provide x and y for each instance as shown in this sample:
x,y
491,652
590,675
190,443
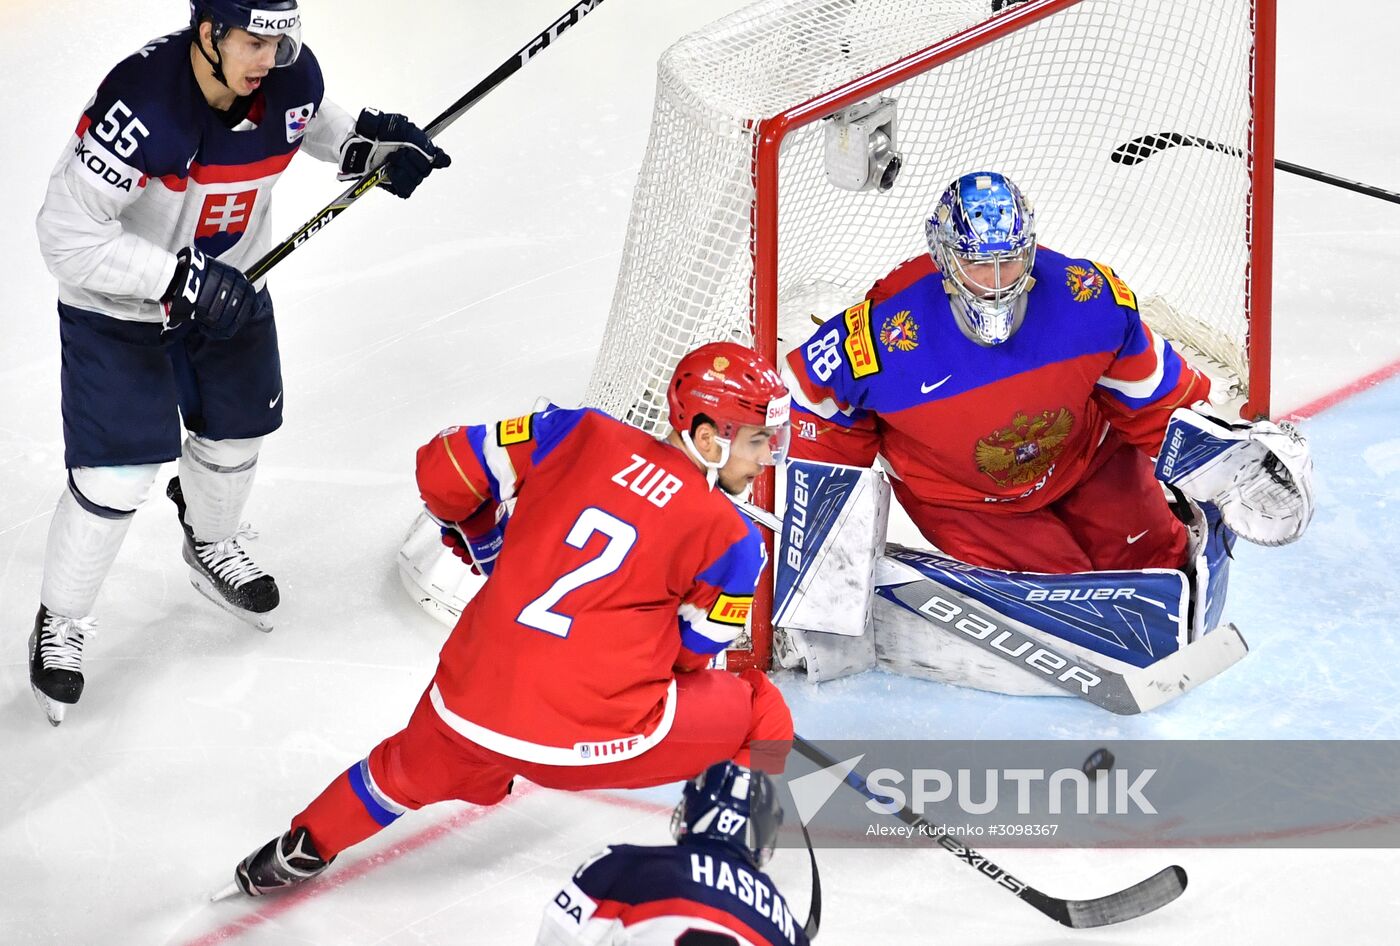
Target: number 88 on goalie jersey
x,y
620,565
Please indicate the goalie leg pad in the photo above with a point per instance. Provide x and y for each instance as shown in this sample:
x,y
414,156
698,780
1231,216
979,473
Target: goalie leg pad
x,y
833,533
1212,543
1121,619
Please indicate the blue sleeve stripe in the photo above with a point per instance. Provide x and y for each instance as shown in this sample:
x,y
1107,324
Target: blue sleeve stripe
x,y
552,425
846,418
381,814
737,570
693,640
476,439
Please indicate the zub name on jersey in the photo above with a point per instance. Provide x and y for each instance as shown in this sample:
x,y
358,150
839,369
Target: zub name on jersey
x,y
654,483
750,890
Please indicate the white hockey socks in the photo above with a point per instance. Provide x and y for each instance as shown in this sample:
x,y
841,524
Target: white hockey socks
x,y
84,538
216,477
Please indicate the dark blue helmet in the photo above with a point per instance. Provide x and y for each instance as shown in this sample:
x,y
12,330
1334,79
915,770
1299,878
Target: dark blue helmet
x,y
729,804
262,17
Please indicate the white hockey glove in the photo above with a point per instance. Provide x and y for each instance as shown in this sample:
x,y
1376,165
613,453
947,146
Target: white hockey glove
x,y
1258,475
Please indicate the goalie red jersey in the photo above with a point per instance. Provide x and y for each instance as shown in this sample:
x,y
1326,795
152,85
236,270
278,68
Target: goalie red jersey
x,y
620,565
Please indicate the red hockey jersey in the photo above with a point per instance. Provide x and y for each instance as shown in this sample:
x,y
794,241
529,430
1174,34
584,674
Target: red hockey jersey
x,y
1008,428
620,565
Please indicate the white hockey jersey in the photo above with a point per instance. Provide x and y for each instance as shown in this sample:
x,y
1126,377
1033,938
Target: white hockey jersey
x,y
692,894
152,168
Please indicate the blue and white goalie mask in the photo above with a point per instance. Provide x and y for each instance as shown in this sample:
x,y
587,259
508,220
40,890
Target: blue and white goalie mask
x,y
279,18
982,236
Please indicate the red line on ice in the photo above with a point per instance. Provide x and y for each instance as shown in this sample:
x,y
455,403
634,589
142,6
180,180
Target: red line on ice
x,y
1363,383
278,904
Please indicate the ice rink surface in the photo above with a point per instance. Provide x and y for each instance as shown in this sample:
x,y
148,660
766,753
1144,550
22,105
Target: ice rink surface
x,y
198,737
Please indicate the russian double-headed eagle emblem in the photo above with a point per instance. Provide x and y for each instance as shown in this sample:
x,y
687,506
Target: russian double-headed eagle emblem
x,y
900,331
1022,452
1085,284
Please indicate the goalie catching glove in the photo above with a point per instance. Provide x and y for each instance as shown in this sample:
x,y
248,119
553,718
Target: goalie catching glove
x,y
406,151
1258,475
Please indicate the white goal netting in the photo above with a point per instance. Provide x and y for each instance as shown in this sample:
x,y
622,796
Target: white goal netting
x,y
1047,104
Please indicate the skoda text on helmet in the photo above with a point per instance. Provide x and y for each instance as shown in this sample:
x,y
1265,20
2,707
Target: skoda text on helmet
x,y
730,386
730,805
280,18
982,236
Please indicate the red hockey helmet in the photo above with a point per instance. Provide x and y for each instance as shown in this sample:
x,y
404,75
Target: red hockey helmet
x,y
732,386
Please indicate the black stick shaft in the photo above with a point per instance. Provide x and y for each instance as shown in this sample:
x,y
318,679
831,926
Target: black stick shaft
x,y
1316,175
1141,898
458,108
1145,146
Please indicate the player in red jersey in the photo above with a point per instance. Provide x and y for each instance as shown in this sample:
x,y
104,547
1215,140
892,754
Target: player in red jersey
x,y
579,664
1015,393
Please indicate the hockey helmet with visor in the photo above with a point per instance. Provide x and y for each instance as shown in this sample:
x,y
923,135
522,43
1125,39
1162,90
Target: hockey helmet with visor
x,y
731,387
279,18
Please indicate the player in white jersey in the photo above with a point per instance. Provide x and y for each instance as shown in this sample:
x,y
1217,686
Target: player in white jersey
x,y
707,890
159,201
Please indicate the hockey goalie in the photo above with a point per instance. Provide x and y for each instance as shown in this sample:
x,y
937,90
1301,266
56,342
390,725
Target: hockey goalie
x,y
1018,401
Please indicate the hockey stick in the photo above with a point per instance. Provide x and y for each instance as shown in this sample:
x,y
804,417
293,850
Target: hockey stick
x,y
1141,898
814,912
455,111
1145,146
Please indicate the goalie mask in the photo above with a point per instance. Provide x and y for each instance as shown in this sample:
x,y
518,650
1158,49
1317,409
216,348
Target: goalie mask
x,y
730,805
280,18
982,236
731,387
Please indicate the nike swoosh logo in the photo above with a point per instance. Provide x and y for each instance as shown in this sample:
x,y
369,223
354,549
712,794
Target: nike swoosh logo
x,y
926,388
273,403
1134,538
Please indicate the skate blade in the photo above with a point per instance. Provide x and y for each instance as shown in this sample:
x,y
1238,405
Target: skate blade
x,y
53,709
225,893
262,622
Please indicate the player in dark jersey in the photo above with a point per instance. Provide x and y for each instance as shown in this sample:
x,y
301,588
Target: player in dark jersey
x,y
580,663
159,201
707,890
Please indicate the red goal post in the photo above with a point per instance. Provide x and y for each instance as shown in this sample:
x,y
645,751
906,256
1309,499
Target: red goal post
x,y
737,232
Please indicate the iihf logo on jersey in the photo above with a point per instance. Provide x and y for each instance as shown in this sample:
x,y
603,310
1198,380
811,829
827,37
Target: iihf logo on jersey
x,y
296,121
223,220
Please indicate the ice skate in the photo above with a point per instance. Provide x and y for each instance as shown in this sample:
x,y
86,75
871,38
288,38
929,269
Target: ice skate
x,y
282,862
56,661
225,573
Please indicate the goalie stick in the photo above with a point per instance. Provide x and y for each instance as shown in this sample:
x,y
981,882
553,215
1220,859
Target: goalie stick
x,y
1141,148
455,111
1125,694
1141,898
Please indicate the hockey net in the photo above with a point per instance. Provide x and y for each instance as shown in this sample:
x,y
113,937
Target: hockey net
x,y
735,232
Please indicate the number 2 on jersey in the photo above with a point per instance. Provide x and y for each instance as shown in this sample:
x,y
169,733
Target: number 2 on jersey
x,y
621,538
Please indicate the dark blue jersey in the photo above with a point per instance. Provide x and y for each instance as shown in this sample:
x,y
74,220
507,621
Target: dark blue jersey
x,y
694,893
152,167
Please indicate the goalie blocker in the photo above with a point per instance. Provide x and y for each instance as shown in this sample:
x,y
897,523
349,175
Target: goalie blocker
x,y
1124,640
